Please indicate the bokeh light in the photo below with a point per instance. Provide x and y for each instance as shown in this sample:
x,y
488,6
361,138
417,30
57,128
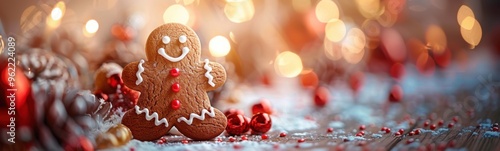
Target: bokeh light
x,y
327,10
335,30
464,12
350,56
332,50
58,11
91,28
219,46
436,39
369,8
239,11
288,64
356,40
176,14
394,45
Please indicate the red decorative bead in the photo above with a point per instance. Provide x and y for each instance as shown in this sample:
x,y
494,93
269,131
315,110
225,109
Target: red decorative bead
x,y
282,134
440,123
433,127
359,134
264,136
411,133
175,72
397,134
383,129
362,127
401,131
417,131
362,132
233,111
495,129
388,130
244,138
232,139
175,104
321,96
450,125
455,119
329,130
409,141
176,87
426,123
396,93
237,124
260,123
301,140
184,141
262,107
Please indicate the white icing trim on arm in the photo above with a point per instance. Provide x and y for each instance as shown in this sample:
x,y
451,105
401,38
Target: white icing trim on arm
x,y
185,51
200,117
149,117
207,74
138,73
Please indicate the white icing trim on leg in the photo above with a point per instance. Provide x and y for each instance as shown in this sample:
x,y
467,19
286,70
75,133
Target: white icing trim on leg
x,y
200,117
139,71
207,74
149,117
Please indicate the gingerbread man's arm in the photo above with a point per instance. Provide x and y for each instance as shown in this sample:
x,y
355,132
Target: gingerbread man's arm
x,y
133,75
214,75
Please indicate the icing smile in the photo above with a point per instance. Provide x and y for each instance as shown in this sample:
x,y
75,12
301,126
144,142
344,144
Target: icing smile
x,y
185,51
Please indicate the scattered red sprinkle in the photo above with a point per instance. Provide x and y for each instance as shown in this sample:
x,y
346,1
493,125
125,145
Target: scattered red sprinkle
x,y
450,125
132,149
397,134
264,136
276,146
244,137
282,134
362,132
440,123
495,129
160,141
417,131
426,123
433,127
219,139
401,131
236,146
359,135
346,140
411,133
362,127
301,140
388,130
185,141
329,130
232,139
455,119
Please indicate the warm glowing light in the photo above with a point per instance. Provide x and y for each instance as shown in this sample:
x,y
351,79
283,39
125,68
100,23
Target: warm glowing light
x,y
288,64
464,12
468,23
31,17
369,8
231,36
387,19
332,50
301,5
327,10
176,14
474,35
349,56
355,40
92,26
394,45
335,30
219,46
239,11
436,39
58,11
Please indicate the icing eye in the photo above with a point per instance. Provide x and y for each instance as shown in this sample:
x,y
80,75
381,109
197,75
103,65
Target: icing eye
x,y
183,39
165,39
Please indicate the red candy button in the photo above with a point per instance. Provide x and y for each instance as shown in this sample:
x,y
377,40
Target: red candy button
x,y
175,104
176,87
175,72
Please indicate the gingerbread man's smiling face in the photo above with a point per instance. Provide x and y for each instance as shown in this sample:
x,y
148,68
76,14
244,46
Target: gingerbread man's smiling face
x,y
173,43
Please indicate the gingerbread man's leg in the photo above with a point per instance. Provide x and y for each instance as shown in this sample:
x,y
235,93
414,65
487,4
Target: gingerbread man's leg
x,y
202,124
146,125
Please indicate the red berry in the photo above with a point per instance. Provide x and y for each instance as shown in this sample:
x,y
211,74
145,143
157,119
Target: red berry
x,y
264,136
175,72
362,127
282,134
388,130
440,123
321,96
433,127
237,124
329,130
396,93
301,140
262,107
233,111
175,104
426,123
260,123
176,87
232,139
450,125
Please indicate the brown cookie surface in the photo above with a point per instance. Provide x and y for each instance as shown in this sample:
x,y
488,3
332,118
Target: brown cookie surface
x,y
173,82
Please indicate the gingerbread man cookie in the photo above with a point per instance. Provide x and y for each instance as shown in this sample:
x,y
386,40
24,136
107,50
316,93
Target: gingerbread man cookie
x,y
173,82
